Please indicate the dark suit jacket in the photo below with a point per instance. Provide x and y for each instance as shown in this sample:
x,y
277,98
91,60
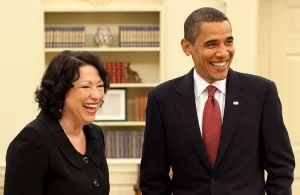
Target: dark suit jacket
x,y
42,161
253,139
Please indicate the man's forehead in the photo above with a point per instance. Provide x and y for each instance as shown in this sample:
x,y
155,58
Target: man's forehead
x,y
215,29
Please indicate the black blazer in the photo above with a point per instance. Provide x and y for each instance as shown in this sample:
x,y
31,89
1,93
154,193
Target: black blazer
x,y
253,139
42,161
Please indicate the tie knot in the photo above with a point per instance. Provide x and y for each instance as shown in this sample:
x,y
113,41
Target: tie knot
x,y
211,90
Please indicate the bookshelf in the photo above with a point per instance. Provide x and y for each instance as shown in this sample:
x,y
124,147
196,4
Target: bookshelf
x,y
117,161
147,61
122,124
109,49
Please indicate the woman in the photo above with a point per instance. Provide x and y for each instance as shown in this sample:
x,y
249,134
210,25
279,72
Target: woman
x,y
61,152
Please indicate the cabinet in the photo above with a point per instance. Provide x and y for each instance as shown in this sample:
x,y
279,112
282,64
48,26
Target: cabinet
x,y
73,24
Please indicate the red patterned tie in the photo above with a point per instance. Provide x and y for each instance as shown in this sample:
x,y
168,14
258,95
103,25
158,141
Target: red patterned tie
x,y
212,124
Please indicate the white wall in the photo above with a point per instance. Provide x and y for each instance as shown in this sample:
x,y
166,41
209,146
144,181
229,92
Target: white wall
x,y
242,15
244,20
20,66
176,11
22,53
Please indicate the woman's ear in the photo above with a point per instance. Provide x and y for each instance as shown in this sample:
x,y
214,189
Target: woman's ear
x,y
186,47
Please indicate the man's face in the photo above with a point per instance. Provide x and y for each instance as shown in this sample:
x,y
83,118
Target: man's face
x,y
213,50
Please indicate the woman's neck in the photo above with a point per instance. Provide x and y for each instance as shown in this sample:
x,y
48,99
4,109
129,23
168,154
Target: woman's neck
x,y
70,127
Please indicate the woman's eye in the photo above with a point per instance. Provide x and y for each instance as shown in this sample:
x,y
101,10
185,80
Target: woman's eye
x,y
85,87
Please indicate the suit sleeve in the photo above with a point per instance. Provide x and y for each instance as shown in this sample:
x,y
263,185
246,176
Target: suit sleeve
x,y
155,166
279,161
26,164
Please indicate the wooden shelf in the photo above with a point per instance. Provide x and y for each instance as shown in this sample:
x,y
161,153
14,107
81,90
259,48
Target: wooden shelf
x,y
121,123
123,161
120,8
133,85
146,61
105,49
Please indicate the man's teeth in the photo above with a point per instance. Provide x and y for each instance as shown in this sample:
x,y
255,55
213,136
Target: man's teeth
x,y
219,64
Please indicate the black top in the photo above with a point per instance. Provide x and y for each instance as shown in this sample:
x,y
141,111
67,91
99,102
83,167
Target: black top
x,y
42,161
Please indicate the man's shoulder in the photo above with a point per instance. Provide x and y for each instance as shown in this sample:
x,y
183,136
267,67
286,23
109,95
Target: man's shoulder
x,y
252,77
253,81
168,86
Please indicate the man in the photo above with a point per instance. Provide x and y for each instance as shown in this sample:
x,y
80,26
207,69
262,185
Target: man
x,y
218,129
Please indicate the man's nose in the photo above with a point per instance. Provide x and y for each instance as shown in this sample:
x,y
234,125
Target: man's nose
x,y
222,51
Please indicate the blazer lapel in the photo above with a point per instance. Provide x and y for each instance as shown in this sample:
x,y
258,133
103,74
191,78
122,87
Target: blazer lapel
x,y
61,139
93,145
186,108
234,105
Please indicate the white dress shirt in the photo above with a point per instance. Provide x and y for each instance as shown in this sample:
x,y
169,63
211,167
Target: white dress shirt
x,y
201,95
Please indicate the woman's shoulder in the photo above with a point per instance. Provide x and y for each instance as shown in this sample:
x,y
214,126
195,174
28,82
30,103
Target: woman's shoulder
x,y
34,130
30,141
98,131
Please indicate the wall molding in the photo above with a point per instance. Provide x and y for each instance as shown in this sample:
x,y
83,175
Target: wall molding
x,y
2,172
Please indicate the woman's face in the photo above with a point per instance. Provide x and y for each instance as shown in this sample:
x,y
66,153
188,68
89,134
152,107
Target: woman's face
x,y
83,100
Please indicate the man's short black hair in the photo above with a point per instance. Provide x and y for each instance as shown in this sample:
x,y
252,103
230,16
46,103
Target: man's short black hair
x,y
193,22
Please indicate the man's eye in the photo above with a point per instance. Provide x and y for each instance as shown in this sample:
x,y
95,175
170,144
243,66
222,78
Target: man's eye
x,y
230,42
211,45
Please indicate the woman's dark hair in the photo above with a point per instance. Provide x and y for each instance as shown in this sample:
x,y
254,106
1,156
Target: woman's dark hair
x,y
62,71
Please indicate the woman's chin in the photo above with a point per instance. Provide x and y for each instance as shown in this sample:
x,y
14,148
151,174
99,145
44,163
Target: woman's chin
x,y
88,119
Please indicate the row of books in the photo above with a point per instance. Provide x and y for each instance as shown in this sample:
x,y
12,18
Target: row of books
x,y
123,144
140,108
64,36
139,36
75,36
116,70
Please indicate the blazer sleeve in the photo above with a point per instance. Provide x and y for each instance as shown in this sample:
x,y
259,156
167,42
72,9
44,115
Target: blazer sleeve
x,y
279,160
155,166
26,164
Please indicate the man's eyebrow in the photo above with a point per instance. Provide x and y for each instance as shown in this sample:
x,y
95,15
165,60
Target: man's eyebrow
x,y
210,41
231,38
214,40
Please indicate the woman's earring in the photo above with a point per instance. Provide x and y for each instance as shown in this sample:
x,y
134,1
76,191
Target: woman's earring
x,y
102,102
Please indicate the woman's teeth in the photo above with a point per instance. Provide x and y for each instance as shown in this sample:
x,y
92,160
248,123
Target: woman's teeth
x,y
90,105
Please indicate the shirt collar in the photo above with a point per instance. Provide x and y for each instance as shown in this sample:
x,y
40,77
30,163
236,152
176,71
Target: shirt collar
x,y
200,85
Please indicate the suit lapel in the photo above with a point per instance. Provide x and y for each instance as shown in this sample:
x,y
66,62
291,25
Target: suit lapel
x,y
61,140
186,109
234,105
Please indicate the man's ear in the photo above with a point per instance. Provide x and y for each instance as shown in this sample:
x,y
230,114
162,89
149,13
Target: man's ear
x,y
186,47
